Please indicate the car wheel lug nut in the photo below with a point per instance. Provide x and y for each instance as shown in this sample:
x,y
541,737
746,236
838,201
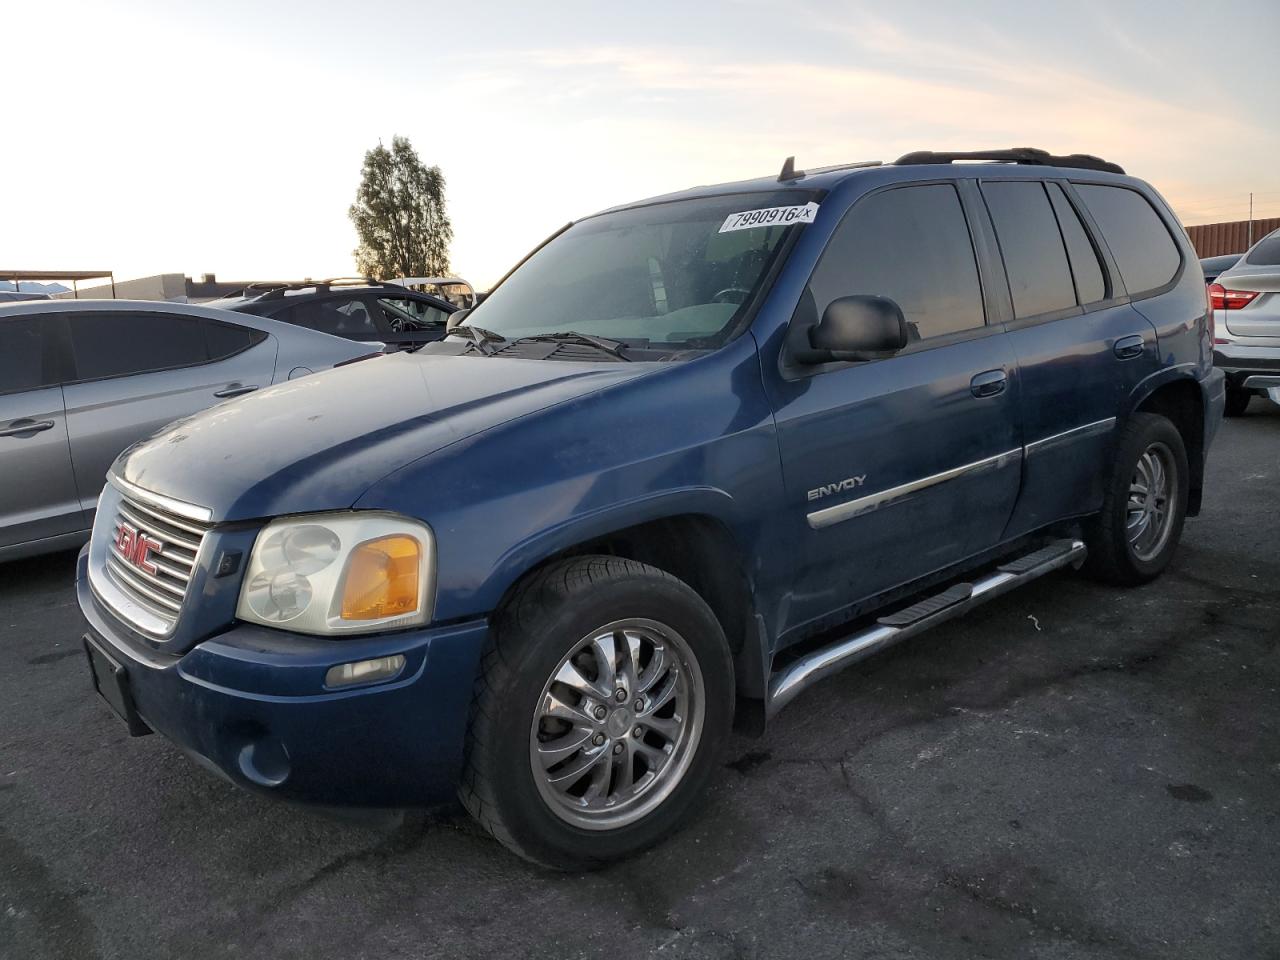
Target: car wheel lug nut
x,y
598,739
637,732
620,695
617,748
639,705
600,712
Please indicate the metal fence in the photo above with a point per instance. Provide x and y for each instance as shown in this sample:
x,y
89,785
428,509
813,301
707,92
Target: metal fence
x,y
1215,239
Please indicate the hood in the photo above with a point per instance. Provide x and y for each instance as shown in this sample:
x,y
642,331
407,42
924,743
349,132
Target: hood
x,y
318,442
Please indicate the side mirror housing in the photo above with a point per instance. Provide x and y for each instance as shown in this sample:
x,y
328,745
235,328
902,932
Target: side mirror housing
x,y
857,328
457,317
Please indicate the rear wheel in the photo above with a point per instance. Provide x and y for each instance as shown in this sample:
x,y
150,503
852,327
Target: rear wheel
x,y
1237,401
599,715
1133,537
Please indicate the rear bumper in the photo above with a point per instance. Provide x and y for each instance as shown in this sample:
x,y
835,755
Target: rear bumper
x,y
1238,360
1215,404
251,704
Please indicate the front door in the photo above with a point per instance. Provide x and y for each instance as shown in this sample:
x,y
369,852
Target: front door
x,y
896,468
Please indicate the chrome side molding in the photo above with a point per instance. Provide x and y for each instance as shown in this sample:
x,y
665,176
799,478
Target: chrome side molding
x,y
874,501
788,683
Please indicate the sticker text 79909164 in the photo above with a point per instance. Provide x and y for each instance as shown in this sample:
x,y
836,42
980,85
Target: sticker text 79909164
x,y
770,217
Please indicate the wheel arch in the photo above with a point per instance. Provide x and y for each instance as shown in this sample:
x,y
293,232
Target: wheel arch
x,y
699,547
1181,401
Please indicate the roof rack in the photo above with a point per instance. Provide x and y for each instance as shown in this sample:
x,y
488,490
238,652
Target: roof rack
x,y
272,290
1026,155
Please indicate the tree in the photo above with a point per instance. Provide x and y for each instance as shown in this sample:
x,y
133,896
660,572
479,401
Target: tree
x,y
399,215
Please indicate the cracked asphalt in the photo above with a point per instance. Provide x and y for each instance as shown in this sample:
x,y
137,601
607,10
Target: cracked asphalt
x,y
1071,771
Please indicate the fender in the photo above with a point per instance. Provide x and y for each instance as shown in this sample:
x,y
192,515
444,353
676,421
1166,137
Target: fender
x,y
707,501
1160,378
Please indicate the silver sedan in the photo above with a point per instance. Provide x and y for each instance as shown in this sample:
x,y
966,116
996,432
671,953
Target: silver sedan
x,y
1246,315
81,380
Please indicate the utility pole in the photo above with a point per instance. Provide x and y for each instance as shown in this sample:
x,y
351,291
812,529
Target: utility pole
x,y
1250,243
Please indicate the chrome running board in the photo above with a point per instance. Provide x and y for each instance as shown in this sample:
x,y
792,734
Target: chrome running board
x,y
959,598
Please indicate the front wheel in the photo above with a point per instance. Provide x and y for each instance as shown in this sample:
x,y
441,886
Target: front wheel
x,y
600,713
1133,537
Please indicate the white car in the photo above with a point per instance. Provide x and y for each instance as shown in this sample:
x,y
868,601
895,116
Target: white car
x,y
1246,320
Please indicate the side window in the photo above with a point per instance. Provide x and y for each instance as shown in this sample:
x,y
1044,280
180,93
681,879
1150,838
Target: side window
x,y
1138,239
340,318
418,311
912,245
1031,245
22,356
1086,269
226,340
119,344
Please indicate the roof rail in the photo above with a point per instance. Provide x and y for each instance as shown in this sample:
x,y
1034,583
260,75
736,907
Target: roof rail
x,y
1026,155
789,171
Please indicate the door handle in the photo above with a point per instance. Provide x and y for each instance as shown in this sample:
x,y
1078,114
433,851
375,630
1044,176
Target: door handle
x,y
1127,348
235,390
19,427
988,384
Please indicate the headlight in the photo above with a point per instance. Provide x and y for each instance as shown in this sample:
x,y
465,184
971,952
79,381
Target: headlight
x,y
340,573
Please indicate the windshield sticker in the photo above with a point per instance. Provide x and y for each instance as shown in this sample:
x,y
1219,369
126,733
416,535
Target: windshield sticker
x,y
770,217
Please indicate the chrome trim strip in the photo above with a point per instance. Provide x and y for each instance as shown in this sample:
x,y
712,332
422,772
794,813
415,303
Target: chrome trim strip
x,y
788,683
1075,433
853,508
179,508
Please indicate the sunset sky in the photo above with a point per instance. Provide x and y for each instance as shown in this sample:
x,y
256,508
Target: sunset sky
x,y
149,137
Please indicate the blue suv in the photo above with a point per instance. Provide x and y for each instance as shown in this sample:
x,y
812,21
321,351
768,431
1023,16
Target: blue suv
x,y
690,456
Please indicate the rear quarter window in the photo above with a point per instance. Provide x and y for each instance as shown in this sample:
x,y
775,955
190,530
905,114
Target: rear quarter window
x,y
1138,238
1266,253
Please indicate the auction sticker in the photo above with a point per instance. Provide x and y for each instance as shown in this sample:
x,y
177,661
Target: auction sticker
x,y
770,217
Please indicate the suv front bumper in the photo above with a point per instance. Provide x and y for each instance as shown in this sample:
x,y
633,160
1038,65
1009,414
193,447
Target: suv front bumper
x,y
251,705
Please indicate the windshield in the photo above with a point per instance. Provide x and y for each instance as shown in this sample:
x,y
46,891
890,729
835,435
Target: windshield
x,y
669,275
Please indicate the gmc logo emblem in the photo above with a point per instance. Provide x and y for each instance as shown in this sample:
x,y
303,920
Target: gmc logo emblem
x,y
136,547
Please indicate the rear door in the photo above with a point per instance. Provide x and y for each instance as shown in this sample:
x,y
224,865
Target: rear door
x,y
896,468
137,372
37,489
1080,344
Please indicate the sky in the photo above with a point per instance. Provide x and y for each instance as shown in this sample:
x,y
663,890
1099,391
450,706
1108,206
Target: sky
x,y
161,137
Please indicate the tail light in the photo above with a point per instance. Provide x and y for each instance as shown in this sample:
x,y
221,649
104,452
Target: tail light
x,y
1220,298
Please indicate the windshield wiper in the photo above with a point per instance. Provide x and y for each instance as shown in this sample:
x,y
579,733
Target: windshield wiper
x,y
482,338
614,347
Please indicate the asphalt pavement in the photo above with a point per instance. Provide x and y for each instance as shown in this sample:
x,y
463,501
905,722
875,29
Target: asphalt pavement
x,y
1070,771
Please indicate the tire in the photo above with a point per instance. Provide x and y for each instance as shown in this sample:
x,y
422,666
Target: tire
x,y
619,788
1122,549
1237,401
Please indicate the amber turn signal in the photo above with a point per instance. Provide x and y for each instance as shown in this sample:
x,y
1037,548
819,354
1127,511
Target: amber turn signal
x,y
382,579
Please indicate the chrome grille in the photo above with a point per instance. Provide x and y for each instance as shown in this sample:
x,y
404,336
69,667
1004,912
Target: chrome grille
x,y
160,592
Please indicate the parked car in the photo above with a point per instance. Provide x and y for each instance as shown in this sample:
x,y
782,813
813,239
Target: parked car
x,y
80,380
457,291
357,309
1213,266
1246,315
691,456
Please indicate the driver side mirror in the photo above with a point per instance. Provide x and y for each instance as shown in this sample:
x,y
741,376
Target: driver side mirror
x,y
457,317
857,328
